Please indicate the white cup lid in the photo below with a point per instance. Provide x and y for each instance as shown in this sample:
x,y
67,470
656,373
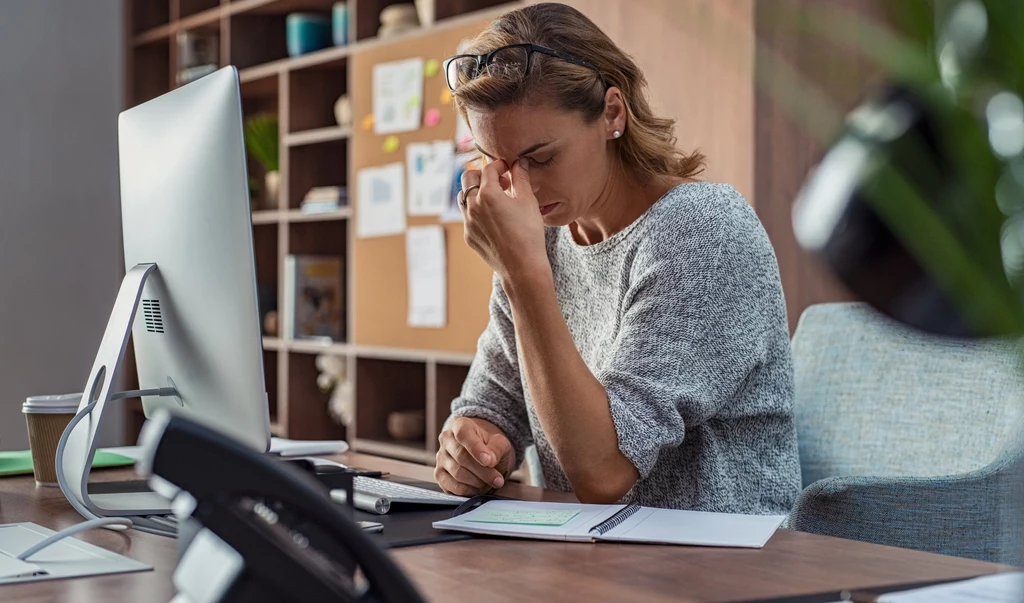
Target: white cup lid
x,y
51,405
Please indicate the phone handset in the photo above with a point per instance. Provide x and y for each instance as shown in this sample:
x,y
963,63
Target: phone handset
x,y
293,542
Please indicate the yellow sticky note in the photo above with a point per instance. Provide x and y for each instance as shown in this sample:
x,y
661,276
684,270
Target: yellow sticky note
x,y
390,144
446,96
368,122
431,67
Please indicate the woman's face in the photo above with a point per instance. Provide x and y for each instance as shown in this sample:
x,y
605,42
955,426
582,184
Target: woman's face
x,y
569,159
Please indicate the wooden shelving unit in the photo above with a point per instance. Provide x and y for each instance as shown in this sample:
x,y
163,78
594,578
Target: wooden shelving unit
x,y
425,374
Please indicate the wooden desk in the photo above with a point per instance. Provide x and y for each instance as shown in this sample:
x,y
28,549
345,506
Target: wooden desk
x,y
791,563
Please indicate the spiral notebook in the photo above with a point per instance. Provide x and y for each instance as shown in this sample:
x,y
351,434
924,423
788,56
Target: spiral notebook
x,y
616,523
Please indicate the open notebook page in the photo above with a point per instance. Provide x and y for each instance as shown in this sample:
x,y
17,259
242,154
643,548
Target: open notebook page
x,y
671,526
528,519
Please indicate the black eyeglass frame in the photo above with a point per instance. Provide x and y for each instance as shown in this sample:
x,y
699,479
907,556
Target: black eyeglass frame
x,y
483,60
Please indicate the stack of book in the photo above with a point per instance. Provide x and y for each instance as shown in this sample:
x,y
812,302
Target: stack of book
x,y
198,55
322,199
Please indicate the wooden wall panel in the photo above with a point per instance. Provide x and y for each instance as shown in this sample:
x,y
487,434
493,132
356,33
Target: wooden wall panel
x,y
697,56
784,150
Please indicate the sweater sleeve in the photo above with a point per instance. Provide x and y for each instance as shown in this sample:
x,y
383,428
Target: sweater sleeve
x,y
695,324
493,389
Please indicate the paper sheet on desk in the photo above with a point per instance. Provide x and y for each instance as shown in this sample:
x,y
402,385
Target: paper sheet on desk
x,y
428,279
69,558
997,588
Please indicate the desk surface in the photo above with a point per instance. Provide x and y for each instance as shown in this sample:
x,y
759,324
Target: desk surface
x,y
791,563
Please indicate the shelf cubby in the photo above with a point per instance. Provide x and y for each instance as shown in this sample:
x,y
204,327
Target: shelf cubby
x,y
256,39
312,94
270,358
308,417
151,71
149,14
321,164
383,387
447,386
188,8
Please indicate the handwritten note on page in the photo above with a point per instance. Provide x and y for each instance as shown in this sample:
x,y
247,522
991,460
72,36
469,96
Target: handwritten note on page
x,y
428,278
540,517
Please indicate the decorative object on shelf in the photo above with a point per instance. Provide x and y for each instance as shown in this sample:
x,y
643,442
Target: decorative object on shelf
x,y
391,144
343,111
426,11
307,32
270,324
323,199
198,55
339,23
433,117
262,139
316,297
407,425
398,18
333,380
266,296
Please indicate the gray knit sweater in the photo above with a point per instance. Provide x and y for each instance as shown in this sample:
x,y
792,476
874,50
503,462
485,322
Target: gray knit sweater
x,y
681,317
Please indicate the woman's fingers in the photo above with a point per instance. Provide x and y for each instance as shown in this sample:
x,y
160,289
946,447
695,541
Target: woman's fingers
x,y
455,479
462,456
470,178
492,173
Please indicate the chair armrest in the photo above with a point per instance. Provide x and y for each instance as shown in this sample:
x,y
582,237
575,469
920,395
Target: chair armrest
x,y
966,515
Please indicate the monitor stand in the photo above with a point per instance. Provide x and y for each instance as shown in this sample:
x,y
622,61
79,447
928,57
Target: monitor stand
x,y
79,438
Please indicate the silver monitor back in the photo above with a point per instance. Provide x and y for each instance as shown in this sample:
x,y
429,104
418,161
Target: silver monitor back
x,y
185,208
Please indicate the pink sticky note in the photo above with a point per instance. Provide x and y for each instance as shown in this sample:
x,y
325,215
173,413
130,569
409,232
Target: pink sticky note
x,y
433,117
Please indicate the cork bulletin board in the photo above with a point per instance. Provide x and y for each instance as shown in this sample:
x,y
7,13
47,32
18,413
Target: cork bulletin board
x,y
380,282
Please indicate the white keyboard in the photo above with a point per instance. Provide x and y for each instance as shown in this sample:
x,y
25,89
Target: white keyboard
x,y
376,495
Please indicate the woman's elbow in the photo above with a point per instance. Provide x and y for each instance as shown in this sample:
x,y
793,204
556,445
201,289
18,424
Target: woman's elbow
x,y
608,487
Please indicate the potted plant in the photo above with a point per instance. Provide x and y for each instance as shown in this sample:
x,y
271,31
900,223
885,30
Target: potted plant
x,y
262,143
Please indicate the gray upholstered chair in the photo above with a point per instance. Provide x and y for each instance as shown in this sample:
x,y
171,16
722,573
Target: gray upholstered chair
x,y
906,439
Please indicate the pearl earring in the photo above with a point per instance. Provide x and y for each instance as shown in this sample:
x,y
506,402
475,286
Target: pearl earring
x,y
616,134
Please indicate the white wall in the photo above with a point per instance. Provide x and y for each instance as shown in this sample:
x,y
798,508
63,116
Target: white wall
x,y
61,88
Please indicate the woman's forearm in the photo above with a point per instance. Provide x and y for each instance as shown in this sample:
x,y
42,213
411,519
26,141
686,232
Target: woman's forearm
x,y
571,403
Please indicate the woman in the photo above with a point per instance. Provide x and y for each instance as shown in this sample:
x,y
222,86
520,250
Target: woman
x,y
638,331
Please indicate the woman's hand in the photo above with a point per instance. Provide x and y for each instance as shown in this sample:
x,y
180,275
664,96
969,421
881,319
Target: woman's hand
x,y
474,457
503,220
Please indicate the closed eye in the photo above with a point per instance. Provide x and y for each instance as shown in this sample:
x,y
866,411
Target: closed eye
x,y
538,163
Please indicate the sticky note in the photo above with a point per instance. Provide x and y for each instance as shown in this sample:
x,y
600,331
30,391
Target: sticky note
x,y
431,67
390,144
433,117
446,96
368,122
523,517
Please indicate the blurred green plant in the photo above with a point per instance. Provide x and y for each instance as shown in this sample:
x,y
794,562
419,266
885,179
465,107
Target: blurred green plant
x,y
928,170
262,140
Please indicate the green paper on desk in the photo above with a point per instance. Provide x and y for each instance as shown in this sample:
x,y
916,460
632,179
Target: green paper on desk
x,y
540,517
19,462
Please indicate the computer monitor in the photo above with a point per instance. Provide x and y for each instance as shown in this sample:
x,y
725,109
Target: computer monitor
x,y
189,296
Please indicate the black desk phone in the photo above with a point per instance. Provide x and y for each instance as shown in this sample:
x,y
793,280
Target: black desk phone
x,y
270,531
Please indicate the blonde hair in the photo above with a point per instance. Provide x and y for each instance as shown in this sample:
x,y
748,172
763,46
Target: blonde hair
x,y
647,145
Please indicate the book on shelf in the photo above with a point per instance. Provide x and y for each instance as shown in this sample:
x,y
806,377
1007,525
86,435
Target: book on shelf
x,y
321,199
314,290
